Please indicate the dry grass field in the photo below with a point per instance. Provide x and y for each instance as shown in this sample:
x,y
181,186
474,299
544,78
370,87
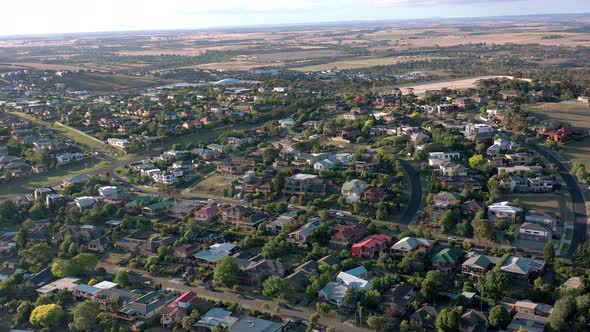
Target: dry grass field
x,y
571,113
463,83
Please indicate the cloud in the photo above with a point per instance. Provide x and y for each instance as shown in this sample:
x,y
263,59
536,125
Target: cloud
x,y
421,3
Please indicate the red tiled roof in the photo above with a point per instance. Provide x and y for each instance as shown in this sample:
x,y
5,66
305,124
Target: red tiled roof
x,y
373,241
185,298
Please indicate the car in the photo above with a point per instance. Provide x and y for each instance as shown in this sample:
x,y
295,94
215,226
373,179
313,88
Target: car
x,y
241,296
452,238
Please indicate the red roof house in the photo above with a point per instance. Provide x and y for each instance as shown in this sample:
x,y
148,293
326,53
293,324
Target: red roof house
x,y
371,246
561,134
207,214
375,194
345,235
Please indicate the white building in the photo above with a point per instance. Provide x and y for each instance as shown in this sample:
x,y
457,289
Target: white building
x,y
119,143
437,158
66,158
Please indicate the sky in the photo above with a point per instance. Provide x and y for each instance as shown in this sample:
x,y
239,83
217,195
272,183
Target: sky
x,y
61,16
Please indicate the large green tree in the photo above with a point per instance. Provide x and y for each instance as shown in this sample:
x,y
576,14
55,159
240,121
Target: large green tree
x,y
226,272
448,320
499,316
85,316
493,284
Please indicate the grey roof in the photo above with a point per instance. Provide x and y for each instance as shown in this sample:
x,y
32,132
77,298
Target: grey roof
x,y
253,324
522,265
334,291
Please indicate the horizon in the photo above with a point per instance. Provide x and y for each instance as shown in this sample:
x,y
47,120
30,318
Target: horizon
x,y
179,15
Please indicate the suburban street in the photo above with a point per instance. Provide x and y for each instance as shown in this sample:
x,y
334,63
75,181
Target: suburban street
x,y
578,201
247,302
416,193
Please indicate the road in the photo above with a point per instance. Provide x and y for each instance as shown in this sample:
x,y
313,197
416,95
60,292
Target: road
x,y
579,203
415,199
248,302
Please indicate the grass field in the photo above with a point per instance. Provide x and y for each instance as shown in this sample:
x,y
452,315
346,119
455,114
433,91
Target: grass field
x,y
52,177
213,185
570,113
549,203
356,63
460,83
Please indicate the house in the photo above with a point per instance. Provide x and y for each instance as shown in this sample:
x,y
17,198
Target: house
x,y
523,267
144,307
447,260
214,318
233,214
401,296
184,252
371,246
536,170
352,190
473,321
502,211
437,158
345,235
470,208
477,264
53,201
300,184
85,202
67,158
534,232
108,191
219,317
99,245
287,123
540,184
119,143
375,194
177,309
464,102
519,159
446,197
158,209
515,183
207,214
458,183
530,323
214,253
333,293
278,223
54,287
423,318
453,169
150,247
541,218
302,235
527,307
409,244
256,269
561,134
352,281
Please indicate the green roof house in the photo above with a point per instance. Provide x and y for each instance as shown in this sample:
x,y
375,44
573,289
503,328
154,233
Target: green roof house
x,y
447,259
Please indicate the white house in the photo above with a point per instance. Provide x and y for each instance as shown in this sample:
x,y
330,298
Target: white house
x,y
66,158
437,158
287,122
502,211
167,177
85,202
108,191
119,143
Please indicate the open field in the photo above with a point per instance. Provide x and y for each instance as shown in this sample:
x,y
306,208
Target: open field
x,y
571,113
461,83
358,63
549,203
213,185
50,178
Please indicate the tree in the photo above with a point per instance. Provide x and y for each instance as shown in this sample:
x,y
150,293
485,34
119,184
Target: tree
x,y
372,298
499,317
80,265
85,316
570,313
36,211
477,161
449,219
276,247
483,230
549,252
274,287
414,261
47,315
493,284
123,278
226,272
23,312
376,322
448,320
38,256
432,284
188,321
314,317
579,170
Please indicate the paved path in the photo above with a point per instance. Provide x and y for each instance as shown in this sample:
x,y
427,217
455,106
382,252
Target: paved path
x,y
415,199
579,204
248,302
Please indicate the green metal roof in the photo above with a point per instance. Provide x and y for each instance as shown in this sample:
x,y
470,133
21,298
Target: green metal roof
x,y
448,255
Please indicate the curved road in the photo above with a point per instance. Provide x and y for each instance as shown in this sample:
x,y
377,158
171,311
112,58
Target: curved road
x,y
416,193
579,204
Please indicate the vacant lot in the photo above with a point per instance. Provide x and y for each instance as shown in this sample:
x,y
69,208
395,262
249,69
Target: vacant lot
x,y
550,203
459,83
212,185
570,113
